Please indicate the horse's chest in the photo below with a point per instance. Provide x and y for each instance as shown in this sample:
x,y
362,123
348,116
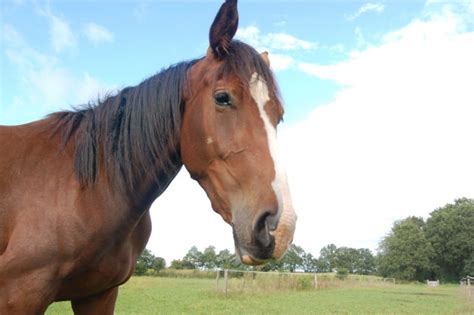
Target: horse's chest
x,y
113,266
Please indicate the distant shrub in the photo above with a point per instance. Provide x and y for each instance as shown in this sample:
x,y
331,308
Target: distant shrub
x,y
342,273
305,282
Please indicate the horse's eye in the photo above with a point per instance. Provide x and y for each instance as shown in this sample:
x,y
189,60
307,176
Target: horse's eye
x,y
222,99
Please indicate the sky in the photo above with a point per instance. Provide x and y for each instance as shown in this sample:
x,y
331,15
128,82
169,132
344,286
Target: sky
x,y
379,100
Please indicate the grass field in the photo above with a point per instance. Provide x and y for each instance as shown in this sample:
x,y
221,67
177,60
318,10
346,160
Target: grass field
x,y
150,295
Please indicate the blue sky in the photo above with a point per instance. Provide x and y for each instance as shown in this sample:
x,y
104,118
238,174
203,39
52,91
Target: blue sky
x,y
378,97
144,37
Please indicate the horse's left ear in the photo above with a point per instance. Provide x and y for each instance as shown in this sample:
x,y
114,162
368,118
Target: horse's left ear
x,y
224,28
265,57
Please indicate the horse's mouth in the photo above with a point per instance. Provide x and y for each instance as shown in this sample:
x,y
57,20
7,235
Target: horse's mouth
x,y
249,260
252,252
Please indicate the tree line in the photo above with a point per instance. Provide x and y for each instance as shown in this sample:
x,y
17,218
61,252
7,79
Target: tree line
x,y
296,259
442,247
332,258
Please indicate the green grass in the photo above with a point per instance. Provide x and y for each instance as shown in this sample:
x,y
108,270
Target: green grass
x,y
149,295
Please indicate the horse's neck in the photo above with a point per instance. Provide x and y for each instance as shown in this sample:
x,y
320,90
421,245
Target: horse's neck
x,y
145,194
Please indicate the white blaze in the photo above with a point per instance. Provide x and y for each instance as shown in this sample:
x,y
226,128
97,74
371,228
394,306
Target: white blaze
x,y
284,232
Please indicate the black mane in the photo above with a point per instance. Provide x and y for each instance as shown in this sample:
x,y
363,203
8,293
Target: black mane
x,y
135,134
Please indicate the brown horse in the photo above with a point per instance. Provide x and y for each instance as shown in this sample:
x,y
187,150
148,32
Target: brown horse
x,y
76,187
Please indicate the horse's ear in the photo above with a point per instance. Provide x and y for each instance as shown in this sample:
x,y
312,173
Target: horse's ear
x,y
224,28
265,57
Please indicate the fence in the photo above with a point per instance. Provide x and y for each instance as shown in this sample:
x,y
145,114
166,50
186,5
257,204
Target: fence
x,y
389,280
432,284
228,281
467,283
187,273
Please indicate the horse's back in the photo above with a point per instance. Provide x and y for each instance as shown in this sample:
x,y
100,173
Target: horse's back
x,y
29,154
11,146
23,170
25,146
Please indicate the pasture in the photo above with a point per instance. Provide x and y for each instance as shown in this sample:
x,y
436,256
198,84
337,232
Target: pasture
x,y
154,295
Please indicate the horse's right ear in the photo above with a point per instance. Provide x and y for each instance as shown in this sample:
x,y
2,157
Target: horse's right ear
x,y
224,28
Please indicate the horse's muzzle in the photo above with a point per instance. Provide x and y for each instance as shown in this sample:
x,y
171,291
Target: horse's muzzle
x,y
257,245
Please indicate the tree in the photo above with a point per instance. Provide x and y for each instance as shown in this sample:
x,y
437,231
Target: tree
x,y
208,258
406,253
291,261
469,266
327,258
365,263
272,265
226,260
181,264
194,258
293,258
450,230
147,261
159,263
310,264
346,257
360,261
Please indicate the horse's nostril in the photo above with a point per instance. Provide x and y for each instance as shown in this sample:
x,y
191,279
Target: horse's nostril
x,y
261,222
263,226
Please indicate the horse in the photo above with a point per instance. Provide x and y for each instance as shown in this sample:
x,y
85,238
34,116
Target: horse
x,y
76,187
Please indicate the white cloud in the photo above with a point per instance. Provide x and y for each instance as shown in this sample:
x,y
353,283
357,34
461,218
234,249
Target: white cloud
x,y
469,4
183,217
283,41
420,45
61,35
97,33
396,141
279,45
140,11
337,48
281,23
276,41
249,34
279,62
46,82
367,7
360,38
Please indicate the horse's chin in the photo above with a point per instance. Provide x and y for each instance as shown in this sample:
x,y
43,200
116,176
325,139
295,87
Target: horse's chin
x,y
249,260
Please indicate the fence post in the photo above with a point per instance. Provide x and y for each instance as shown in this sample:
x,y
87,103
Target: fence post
x,y
226,281
217,279
315,281
468,286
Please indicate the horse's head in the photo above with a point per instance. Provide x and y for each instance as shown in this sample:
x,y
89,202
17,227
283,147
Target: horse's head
x,y
229,145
